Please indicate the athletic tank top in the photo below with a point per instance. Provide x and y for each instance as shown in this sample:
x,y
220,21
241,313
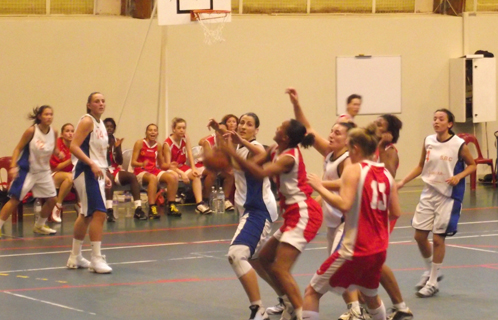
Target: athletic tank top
x,y
94,146
148,153
54,160
366,229
333,216
293,186
442,162
178,151
251,193
35,157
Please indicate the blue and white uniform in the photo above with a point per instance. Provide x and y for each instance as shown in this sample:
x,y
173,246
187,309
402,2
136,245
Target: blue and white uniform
x,y
34,167
91,190
440,203
256,205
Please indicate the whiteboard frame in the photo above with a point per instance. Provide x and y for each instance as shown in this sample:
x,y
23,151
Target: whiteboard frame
x,y
376,78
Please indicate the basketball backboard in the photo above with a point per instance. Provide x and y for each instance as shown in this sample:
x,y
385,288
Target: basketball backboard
x,y
172,12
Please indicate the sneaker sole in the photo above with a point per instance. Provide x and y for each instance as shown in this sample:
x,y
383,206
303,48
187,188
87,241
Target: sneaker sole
x,y
424,296
44,233
75,266
438,280
95,271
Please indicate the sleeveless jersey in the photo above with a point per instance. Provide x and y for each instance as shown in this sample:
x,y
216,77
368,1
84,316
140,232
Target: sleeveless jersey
x,y
332,216
293,186
251,193
35,157
114,167
148,153
178,152
376,157
442,162
366,229
54,160
94,146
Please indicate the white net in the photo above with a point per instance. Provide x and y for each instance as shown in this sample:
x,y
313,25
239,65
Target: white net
x,y
212,23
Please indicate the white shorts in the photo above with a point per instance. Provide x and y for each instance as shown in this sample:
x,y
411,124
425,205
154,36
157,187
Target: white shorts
x,y
437,213
41,184
140,177
334,238
91,192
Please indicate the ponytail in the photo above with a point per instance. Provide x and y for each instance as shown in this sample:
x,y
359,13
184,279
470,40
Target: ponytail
x,y
33,115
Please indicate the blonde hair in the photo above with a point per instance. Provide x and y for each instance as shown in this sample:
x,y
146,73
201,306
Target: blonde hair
x,y
176,121
365,139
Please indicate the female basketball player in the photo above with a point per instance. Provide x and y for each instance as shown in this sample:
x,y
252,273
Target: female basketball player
x,y
179,151
352,108
368,199
302,215
62,171
89,146
442,166
257,207
151,170
30,168
119,176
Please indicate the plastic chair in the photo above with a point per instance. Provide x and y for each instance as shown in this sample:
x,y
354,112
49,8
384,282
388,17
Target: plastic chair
x,y
17,215
470,138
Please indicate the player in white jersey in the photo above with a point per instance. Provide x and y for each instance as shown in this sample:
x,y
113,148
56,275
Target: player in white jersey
x,y
257,208
353,105
89,148
368,199
30,168
442,166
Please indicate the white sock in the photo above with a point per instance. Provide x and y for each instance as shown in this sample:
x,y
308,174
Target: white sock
x,y
108,204
379,313
41,221
257,303
138,203
1,223
311,315
299,313
96,248
77,244
428,263
434,273
401,306
355,305
286,300
58,205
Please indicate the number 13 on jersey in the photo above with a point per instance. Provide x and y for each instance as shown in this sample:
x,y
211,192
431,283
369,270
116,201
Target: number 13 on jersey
x,y
378,188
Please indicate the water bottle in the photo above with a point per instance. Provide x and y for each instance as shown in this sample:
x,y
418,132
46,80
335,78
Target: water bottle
x,y
38,208
221,201
212,199
127,196
114,199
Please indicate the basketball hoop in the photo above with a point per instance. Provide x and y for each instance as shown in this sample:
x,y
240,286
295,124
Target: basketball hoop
x,y
212,23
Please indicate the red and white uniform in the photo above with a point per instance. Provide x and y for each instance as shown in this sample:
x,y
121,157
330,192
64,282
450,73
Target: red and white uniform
x,y
54,160
148,153
377,159
359,259
114,168
178,153
302,214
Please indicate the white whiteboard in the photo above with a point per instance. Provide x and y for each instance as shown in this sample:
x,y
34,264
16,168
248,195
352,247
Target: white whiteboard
x,y
376,78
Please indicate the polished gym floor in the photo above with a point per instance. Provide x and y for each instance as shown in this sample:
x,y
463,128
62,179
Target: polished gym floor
x,y
176,268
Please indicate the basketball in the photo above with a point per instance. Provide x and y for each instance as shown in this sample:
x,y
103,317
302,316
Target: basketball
x,y
216,161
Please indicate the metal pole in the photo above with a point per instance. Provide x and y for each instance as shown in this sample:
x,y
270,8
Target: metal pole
x,y
373,6
47,7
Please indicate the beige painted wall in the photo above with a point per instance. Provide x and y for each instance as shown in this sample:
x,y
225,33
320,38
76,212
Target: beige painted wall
x,y
60,61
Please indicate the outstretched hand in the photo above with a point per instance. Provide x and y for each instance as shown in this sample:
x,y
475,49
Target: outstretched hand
x,y
294,98
213,124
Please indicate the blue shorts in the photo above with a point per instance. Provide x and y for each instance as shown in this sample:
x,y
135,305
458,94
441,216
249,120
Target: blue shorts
x,y
253,231
91,192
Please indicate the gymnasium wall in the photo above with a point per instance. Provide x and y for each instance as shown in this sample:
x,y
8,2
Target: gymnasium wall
x,y
59,61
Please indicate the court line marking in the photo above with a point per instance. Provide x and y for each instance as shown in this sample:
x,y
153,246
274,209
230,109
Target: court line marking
x,y
55,268
48,302
116,248
460,223
474,249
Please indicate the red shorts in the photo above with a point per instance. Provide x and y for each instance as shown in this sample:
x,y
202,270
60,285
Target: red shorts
x,y
338,273
302,221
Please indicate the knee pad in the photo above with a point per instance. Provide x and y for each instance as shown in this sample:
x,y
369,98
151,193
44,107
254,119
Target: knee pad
x,y
238,257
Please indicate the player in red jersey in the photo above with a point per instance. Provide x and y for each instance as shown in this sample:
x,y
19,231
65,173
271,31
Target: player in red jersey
x,y
151,170
62,171
119,176
179,151
302,214
368,198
